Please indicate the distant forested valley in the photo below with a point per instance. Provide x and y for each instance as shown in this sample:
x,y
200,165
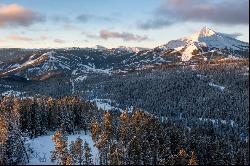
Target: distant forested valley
x,y
165,115
115,83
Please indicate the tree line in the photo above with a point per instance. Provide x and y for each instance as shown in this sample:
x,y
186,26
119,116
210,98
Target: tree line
x,y
122,138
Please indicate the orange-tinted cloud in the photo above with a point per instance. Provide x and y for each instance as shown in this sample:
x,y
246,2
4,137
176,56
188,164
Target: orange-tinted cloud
x,y
15,15
19,38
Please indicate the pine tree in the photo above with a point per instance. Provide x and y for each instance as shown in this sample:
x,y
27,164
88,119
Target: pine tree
x,y
3,130
115,156
16,147
134,152
94,130
87,154
3,140
65,115
181,159
192,160
37,118
107,119
123,134
72,152
61,152
123,125
94,133
78,148
69,160
105,138
102,145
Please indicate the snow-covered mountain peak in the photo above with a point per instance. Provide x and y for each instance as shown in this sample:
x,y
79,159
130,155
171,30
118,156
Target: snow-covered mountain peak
x,y
205,40
205,32
99,47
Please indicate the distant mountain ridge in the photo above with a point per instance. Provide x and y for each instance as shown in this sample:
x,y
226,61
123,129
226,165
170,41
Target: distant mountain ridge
x,y
202,46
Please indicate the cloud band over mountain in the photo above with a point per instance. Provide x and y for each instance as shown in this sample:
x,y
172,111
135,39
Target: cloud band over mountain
x,y
125,36
105,34
231,12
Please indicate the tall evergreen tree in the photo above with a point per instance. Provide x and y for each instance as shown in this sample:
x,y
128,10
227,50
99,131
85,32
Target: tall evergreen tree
x,y
3,140
181,158
60,152
134,151
87,154
192,160
69,160
79,150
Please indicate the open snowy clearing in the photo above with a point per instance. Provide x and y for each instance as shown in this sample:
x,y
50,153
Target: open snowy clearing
x,y
104,104
43,145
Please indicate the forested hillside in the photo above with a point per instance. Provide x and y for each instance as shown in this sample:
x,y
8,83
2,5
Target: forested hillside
x,y
127,137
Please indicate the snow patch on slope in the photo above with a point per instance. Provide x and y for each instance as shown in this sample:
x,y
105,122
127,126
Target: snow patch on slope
x,y
92,68
80,78
104,104
30,62
221,88
12,93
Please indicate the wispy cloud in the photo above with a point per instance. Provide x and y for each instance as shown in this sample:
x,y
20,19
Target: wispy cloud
x,y
88,17
70,26
84,17
106,34
15,15
155,23
229,12
60,18
60,41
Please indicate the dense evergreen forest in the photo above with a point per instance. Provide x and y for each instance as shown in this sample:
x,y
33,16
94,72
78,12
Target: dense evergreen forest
x,y
122,138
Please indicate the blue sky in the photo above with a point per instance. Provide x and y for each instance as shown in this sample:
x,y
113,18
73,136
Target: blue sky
x,y
112,23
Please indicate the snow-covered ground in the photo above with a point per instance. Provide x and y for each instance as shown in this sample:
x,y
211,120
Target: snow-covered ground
x,y
5,86
30,62
216,121
12,93
43,145
221,88
92,68
201,76
104,104
80,78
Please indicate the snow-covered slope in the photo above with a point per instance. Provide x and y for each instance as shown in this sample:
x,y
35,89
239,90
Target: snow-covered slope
x,y
32,61
206,40
131,49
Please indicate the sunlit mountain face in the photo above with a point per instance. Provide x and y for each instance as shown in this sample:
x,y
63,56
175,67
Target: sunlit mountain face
x,y
124,83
